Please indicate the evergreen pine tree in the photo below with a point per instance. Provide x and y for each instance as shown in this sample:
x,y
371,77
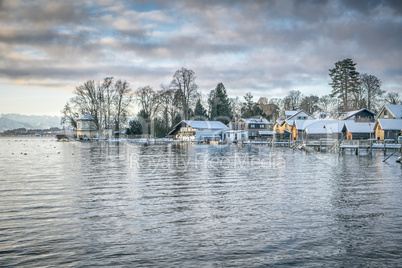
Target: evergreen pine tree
x,y
219,105
345,80
199,111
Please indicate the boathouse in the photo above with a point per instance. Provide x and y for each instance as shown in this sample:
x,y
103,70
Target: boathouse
x,y
283,129
299,127
86,127
358,131
388,129
362,115
324,129
189,130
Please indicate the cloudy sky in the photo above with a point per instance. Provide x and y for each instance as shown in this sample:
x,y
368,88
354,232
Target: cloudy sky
x,y
268,48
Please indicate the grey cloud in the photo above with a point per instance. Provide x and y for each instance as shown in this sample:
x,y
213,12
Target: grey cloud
x,y
278,44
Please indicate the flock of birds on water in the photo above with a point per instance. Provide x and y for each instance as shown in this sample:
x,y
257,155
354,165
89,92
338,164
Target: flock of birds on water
x,y
24,153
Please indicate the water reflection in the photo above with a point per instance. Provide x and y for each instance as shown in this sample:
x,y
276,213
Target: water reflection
x,y
122,204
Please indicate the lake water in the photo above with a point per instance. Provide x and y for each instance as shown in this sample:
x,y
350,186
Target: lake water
x,y
122,204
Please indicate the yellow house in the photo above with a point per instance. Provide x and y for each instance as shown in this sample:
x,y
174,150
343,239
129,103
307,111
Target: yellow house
x,y
86,127
277,126
390,111
280,127
388,129
283,129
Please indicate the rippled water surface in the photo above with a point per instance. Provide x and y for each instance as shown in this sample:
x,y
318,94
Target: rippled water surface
x,y
123,204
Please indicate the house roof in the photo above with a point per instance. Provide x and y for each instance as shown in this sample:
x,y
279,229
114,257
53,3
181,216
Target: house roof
x,y
390,124
280,121
298,112
290,122
86,117
302,124
209,125
350,114
355,127
325,127
290,113
266,133
396,110
255,120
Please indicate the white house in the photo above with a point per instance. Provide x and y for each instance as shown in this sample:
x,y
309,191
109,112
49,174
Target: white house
x,y
189,130
252,125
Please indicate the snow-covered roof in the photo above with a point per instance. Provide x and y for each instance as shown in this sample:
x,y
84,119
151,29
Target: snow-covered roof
x,y
279,121
390,124
302,124
266,133
396,110
86,117
290,113
299,112
206,124
350,114
254,120
356,127
236,131
290,122
325,127
201,125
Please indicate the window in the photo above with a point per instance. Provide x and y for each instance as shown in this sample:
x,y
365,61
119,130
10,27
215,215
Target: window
x,y
262,126
252,126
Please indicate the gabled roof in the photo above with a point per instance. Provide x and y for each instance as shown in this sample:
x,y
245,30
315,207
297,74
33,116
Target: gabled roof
x,y
206,124
396,110
325,127
302,124
280,122
353,113
255,120
355,127
390,124
290,113
209,125
297,113
86,117
290,122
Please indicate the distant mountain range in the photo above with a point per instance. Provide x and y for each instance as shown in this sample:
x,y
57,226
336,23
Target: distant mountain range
x,y
13,121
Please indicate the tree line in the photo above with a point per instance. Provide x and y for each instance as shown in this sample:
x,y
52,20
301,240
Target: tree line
x,y
111,101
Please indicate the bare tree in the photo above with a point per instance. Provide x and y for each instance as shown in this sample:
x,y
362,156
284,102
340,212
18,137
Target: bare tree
x,y
70,114
310,104
292,100
269,109
108,97
235,106
87,100
393,98
324,103
149,102
105,102
167,107
121,102
372,90
184,84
